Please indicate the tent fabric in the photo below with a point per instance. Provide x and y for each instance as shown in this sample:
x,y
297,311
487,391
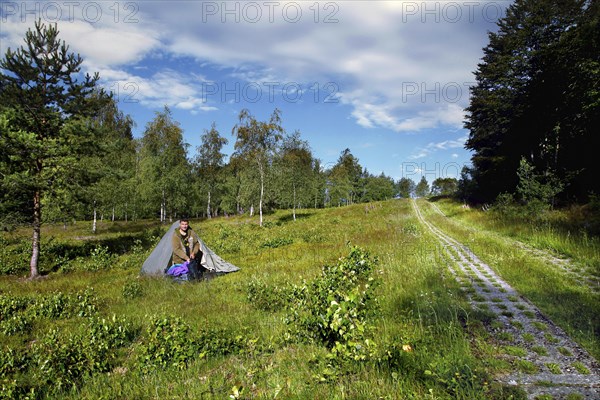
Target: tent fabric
x,y
160,258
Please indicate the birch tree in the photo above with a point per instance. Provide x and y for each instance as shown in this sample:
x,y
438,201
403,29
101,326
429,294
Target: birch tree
x,y
210,162
257,140
165,170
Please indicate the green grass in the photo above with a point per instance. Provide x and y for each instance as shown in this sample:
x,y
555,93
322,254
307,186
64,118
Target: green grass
x,y
582,369
528,337
492,237
540,350
515,351
427,342
526,367
554,368
565,352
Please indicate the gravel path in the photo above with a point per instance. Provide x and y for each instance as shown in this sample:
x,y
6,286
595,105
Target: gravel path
x,y
583,275
546,360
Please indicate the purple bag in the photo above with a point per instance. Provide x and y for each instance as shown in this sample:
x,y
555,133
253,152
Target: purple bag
x,y
178,269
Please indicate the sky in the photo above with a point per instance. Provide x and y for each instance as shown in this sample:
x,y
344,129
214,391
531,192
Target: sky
x,y
388,80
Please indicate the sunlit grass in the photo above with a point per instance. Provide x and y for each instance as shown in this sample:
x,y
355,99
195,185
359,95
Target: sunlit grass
x,y
421,306
573,306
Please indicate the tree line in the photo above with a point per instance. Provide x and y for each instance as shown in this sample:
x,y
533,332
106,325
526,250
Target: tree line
x,y
68,153
534,113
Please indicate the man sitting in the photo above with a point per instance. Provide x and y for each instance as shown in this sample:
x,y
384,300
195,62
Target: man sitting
x,y
186,248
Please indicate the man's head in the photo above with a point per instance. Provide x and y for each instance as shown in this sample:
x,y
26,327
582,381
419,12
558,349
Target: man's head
x,y
184,224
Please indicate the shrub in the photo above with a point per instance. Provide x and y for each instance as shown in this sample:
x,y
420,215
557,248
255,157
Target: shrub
x,y
11,361
276,242
267,297
132,290
60,360
10,305
103,337
334,309
13,258
16,324
167,343
99,259
60,305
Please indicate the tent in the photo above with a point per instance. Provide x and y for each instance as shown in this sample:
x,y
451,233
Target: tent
x,y
160,258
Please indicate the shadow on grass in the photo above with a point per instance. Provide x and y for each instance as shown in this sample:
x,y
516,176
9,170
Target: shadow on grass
x,y
433,199
290,217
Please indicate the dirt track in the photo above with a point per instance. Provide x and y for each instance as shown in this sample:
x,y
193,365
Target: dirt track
x,y
546,360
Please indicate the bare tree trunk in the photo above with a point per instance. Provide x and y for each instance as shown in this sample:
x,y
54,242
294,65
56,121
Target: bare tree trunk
x,y
208,213
163,212
95,220
35,242
294,204
113,214
262,191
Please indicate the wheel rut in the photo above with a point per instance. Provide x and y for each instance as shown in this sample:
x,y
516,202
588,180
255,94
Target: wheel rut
x,y
546,360
582,274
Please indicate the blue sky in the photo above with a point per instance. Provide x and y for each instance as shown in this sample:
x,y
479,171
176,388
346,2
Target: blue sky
x,y
387,79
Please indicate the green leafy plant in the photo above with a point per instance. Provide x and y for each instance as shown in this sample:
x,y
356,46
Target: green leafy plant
x,y
167,343
267,297
526,366
132,289
99,259
16,324
554,368
277,242
334,309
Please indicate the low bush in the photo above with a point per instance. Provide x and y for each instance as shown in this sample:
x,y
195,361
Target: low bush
x,y
168,343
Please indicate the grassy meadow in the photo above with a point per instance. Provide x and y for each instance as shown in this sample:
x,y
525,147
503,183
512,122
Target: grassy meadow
x,y
383,319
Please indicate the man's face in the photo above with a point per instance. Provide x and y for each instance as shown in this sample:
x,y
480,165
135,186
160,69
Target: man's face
x,y
183,225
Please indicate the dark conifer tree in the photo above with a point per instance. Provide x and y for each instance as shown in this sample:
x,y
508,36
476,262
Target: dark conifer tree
x,y
45,129
535,97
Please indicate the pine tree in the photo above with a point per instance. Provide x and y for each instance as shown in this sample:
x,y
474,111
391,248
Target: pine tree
x,y
536,97
45,129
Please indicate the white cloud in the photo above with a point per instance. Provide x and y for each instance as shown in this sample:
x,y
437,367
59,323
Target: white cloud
x,y
108,46
166,87
395,65
432,147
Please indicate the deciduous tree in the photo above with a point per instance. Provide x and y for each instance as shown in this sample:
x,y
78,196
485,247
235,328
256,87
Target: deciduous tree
x,y
210,162
257,140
